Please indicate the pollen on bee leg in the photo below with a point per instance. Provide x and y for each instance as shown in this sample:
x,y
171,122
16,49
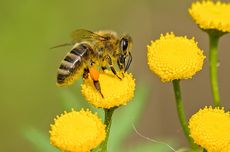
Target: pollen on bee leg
x,y
94,73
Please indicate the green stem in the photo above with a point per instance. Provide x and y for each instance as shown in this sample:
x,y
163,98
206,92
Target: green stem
x,y
213,62
107,122
181,114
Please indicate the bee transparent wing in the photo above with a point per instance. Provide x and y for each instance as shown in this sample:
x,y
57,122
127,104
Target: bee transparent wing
x,y
82,34
61,45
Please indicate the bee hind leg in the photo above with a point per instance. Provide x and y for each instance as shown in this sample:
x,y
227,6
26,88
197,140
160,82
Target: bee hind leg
x,y
94,74
98,87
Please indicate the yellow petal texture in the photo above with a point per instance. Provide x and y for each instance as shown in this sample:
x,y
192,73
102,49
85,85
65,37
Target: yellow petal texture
x,y
210,128
116,92
211,15
226,148
77,131
172,57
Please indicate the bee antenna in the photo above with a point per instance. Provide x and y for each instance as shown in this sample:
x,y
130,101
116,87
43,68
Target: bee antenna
x,y
61,45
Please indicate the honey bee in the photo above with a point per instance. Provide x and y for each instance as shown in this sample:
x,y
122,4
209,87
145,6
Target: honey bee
x,y
94,49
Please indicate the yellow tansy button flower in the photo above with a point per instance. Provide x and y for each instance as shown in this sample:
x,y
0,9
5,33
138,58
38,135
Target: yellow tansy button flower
x,y
77,131
211,15
116,92
172,57
210,128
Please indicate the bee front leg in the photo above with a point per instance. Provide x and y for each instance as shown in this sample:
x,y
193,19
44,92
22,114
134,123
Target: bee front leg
x,y
130,58
94,74
111,66
121,63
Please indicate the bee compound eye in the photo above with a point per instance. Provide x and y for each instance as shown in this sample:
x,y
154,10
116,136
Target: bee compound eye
x,y
124,44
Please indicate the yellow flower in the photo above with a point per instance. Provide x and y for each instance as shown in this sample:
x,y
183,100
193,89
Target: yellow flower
x,y
226,148
210,128
172,57
210,15
116,92
77,131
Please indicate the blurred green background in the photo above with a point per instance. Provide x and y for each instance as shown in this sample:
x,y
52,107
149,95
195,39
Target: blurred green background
x,y
29,96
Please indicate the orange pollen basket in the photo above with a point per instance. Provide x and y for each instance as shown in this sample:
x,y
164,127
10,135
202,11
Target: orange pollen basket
x,y
94,73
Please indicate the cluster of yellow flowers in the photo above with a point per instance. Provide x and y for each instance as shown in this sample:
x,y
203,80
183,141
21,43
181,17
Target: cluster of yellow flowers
x,y
210,127
177,57
171,58
83,131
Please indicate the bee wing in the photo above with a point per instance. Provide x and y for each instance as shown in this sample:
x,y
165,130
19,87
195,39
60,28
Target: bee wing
x,y
82,34
61,45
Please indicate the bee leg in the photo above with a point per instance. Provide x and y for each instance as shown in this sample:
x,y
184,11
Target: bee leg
x,y
103,68
86,73
129,62
98,87
94,74
121,63
111,66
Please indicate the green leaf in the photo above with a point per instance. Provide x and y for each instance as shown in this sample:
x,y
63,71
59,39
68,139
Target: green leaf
x,y
125,117
39,140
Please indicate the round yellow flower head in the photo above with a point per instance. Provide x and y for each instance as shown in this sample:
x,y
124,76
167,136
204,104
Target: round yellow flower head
x,y
210,128
210,15
172,57
77,131
116,92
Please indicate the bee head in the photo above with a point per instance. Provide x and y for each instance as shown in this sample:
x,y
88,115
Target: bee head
x,y
125,44
125,58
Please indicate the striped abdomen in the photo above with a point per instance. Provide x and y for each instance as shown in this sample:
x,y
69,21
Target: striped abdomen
x,y
73,64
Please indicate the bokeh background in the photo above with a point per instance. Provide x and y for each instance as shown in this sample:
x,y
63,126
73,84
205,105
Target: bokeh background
x,y
29,97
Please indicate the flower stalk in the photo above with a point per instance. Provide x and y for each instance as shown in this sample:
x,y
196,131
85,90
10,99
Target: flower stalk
x,y
181,114
213,66
107,122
